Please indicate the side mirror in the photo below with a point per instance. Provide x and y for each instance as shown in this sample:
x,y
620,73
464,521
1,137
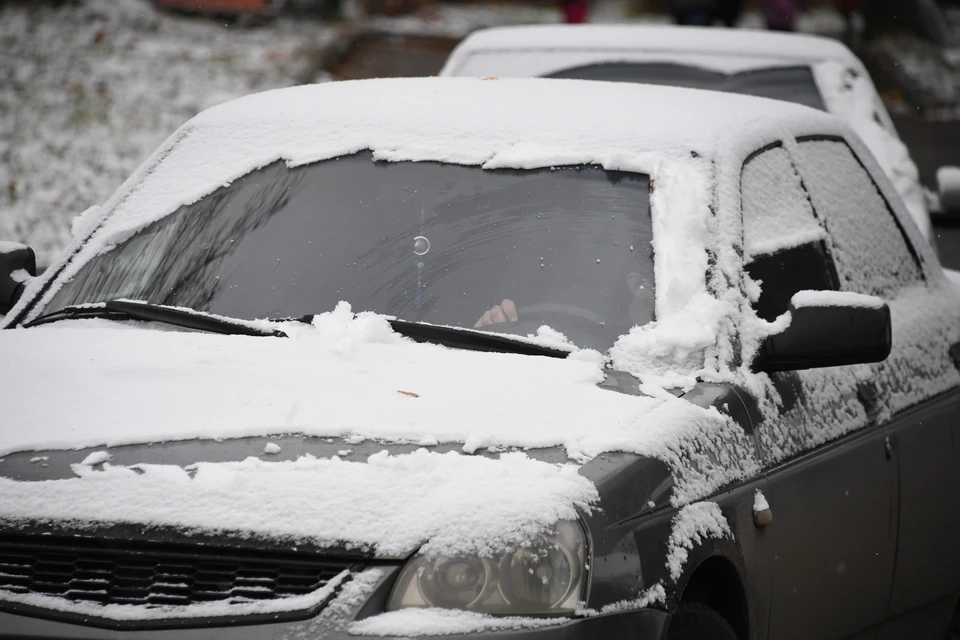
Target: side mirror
x,y
18,264
829,329
948,189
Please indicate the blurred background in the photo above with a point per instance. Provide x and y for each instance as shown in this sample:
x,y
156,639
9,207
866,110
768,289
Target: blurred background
x,y
88,88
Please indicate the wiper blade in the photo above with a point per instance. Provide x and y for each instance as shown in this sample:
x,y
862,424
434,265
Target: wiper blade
x,y
128,309
460,338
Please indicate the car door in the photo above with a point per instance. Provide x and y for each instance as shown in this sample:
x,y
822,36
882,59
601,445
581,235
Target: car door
x,y
831,482
915,390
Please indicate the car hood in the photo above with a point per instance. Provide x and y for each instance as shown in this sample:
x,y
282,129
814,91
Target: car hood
x,y
381,451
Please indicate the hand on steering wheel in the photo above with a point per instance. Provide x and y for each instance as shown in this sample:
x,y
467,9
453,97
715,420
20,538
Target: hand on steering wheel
x,y
506,311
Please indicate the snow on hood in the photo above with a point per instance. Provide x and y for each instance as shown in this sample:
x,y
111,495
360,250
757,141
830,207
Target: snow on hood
x,y
342,376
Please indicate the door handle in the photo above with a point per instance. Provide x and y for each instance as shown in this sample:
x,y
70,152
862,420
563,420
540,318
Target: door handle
x,y
762,518
762,515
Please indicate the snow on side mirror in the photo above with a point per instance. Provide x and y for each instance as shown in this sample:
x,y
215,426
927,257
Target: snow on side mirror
x,y
948,188
18,264
829,329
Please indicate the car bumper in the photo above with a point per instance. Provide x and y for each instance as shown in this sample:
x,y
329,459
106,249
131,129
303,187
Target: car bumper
x,y
330,623
636,625
640,624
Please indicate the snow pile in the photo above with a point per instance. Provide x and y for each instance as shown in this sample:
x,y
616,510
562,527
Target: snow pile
x,y
835,299
443,622
121,612
95,458
759,502
691,526
669,351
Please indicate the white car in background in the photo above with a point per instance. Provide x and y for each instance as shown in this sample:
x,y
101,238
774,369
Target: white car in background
x,y
809,70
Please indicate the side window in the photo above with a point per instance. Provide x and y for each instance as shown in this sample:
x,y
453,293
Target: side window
x,y
785,250
783,240
871,253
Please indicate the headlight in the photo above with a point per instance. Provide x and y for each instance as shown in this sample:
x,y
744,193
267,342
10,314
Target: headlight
x,y
548,577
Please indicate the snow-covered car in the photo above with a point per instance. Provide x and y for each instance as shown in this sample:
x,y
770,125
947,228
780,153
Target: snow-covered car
x,y
810,70
425,357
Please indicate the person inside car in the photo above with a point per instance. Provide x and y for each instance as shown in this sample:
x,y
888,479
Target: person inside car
x,y
637,311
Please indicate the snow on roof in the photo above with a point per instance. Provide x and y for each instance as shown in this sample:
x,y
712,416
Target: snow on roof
x,y
710,47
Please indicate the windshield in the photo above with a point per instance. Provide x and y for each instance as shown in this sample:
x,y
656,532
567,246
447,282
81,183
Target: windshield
x,y
791,84
422,241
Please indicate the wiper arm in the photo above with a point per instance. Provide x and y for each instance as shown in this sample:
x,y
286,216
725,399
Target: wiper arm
x,y
128,309
460,338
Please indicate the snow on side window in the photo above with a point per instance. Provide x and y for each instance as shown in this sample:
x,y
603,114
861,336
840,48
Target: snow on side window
x,y
776,210
868,246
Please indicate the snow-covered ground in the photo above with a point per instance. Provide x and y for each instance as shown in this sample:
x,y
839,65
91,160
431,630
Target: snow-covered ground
x,y
89,90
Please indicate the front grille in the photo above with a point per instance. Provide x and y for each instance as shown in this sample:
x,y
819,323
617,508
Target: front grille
x,y
157,576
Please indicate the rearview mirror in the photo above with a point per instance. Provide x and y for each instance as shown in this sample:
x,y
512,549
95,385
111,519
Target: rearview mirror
x,y
948,188
17,265
829,329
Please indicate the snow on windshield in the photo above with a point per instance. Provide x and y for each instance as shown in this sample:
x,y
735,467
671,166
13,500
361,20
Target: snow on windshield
x,y
420,241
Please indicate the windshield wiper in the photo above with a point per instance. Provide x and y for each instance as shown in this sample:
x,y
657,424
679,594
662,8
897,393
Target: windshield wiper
x,y
454,337
460,338
130,310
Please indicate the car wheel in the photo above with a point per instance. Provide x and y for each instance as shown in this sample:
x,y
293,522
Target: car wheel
x,y
699,622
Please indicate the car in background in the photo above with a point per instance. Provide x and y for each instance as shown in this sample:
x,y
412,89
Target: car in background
x,y
682,371
241,10
810,70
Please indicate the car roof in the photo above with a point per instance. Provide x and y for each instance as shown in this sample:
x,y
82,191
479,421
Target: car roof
x,y
515,123
719,48
510,122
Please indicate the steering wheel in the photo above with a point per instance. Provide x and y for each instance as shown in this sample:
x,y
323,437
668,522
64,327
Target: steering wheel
x,y
555,310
